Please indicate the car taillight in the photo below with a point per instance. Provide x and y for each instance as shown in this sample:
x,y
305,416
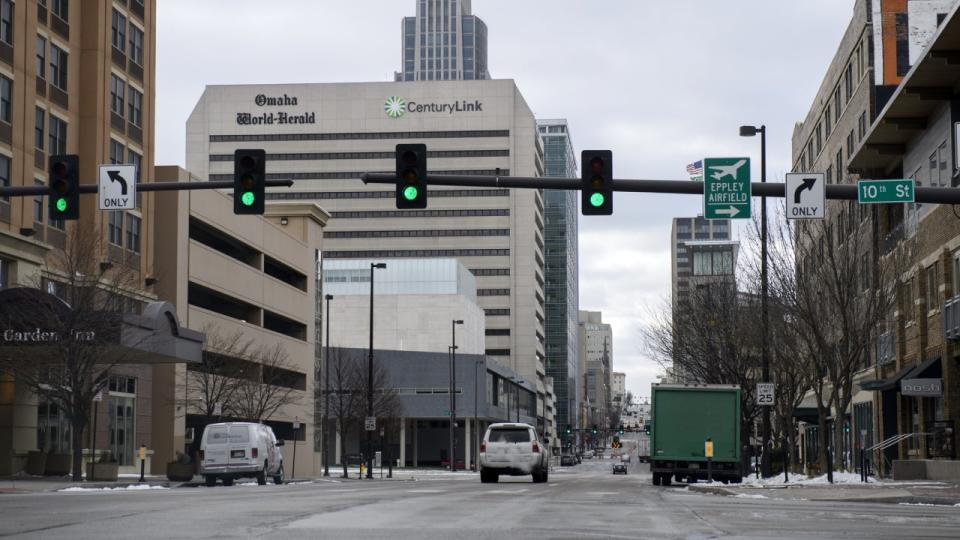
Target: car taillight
x,y
483,446
536,448
253,453
201,455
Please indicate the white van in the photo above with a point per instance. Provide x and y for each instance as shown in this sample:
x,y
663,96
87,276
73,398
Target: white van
x,y
240,450
515,450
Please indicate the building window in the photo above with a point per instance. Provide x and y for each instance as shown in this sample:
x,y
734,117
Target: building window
x,y
4,174
58,136
133,233
38,205
115,228
58,67
840,165
862,125
60,8
956,272
116,94
119,31
4,273
40,122
136,100
848,81
135,159
6,97
932,286
827,119
6,21
136,45
116,152
41,57
907,292
850,143
836,106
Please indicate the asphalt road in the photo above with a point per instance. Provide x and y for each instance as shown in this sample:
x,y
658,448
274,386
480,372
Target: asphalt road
x,y
581,502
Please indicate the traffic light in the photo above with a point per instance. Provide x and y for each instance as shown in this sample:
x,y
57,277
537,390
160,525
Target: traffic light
x,y
621,429
411,176
596,182
646,429
64,199
569,429
594,429
249,181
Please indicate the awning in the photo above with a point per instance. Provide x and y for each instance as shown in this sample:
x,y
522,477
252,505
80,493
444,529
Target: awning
x,y
890,383
928,369
29,319
806,414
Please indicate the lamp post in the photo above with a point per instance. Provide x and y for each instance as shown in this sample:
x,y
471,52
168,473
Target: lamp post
x,y
453,394
326,393
370,374
516,382
750,131
476,422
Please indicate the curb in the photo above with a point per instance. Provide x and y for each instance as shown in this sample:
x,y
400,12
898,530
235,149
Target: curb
x,y
713,490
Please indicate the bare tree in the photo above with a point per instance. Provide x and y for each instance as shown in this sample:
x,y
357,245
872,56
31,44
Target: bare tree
x,y
214,381
345,396
73,340
265,384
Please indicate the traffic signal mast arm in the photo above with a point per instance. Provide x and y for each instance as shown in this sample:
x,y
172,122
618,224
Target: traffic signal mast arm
x,y
26,191
937,195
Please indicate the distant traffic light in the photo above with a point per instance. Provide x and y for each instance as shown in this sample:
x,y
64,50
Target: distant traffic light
x,y
621,429
411,176
594,429
249,181
64,199
646,429
569,429
596,182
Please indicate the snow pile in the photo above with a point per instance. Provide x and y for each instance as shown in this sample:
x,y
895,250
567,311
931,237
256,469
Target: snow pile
x,y
749,496
802,480
131,487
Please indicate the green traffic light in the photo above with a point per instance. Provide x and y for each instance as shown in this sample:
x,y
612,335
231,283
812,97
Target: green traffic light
x,y
596,200
61,204
247,198
410,193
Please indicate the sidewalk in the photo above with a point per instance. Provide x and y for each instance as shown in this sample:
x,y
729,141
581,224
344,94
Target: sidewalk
x,y
847,487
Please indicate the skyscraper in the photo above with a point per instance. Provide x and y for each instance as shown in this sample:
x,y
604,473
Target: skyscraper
x,y
443,42
684,230
560,238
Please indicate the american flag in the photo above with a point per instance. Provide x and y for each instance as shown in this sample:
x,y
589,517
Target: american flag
x,y
695,168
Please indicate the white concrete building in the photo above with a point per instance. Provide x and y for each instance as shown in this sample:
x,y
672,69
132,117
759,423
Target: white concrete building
x,y
324,136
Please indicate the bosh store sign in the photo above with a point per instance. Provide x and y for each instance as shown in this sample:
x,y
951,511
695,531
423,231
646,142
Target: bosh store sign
x,y
922,387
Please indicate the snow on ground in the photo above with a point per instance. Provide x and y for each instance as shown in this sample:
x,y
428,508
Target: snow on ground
x,y
750,496
131,487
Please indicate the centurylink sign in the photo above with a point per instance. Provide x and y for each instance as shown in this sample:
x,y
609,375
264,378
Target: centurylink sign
x,y
396,106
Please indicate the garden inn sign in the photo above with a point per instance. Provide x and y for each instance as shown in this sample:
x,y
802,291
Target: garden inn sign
x,y
44,336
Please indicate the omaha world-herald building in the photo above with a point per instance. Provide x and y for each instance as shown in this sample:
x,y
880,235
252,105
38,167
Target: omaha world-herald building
x,y
324,136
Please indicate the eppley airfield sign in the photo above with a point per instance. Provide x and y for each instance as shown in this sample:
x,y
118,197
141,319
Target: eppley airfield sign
x,y
726,188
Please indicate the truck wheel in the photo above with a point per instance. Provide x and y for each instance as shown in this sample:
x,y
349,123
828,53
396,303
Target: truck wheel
x,y
657,479
278,478
665,479
262,475
487,476
210,479
227,481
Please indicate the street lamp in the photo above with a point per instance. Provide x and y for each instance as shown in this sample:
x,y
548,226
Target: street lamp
x,y
476,422
326,394
453,382
516,382
750,131
370,374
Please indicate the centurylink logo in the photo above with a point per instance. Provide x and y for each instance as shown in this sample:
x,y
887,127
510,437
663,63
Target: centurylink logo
x,y
395,106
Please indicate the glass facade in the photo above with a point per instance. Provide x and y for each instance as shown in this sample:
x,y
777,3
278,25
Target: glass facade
x,y
443,42
560,239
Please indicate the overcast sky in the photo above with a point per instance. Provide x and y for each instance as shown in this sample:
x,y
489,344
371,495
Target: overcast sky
x,y
661,83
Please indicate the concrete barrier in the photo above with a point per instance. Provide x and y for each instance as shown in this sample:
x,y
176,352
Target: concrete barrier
x,y
926,469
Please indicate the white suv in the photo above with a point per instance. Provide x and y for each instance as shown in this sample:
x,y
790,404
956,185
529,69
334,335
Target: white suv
x,y
515,450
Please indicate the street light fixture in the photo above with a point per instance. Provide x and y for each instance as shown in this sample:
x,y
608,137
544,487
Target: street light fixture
x,y
326,393
476,422
516,382
370,374
750,131
453,394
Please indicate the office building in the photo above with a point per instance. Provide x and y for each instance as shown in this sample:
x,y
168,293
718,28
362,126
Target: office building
x,y
596,351
77,78
683,231
324,136
444,42
618,385
562,288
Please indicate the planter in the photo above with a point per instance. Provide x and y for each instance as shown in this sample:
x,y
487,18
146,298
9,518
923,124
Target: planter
x,y
36,462
104,472
179,472
57,465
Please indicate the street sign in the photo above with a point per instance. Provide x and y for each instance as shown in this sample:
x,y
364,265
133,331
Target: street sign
x,y
922,387
296,425
370,424
806,195
708,448
98,396
218,409
885,191
765,394
726,188
118,187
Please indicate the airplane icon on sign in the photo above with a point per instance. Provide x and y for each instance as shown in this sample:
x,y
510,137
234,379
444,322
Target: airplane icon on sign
x,y
726,170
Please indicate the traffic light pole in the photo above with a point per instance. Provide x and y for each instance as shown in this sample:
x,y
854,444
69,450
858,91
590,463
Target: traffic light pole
x,y
683,187
28,191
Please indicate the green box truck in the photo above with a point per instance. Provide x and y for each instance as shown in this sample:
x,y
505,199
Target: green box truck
x,y
684,416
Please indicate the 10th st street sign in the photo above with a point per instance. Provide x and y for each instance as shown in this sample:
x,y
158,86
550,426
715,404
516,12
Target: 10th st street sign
x,y
726,188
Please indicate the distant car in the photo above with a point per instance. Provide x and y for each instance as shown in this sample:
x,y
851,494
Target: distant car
x,y
240,449
620,468
625,458
568,460
513,449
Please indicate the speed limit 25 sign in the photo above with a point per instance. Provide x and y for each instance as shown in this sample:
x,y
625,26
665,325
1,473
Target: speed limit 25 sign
x,y
765,394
